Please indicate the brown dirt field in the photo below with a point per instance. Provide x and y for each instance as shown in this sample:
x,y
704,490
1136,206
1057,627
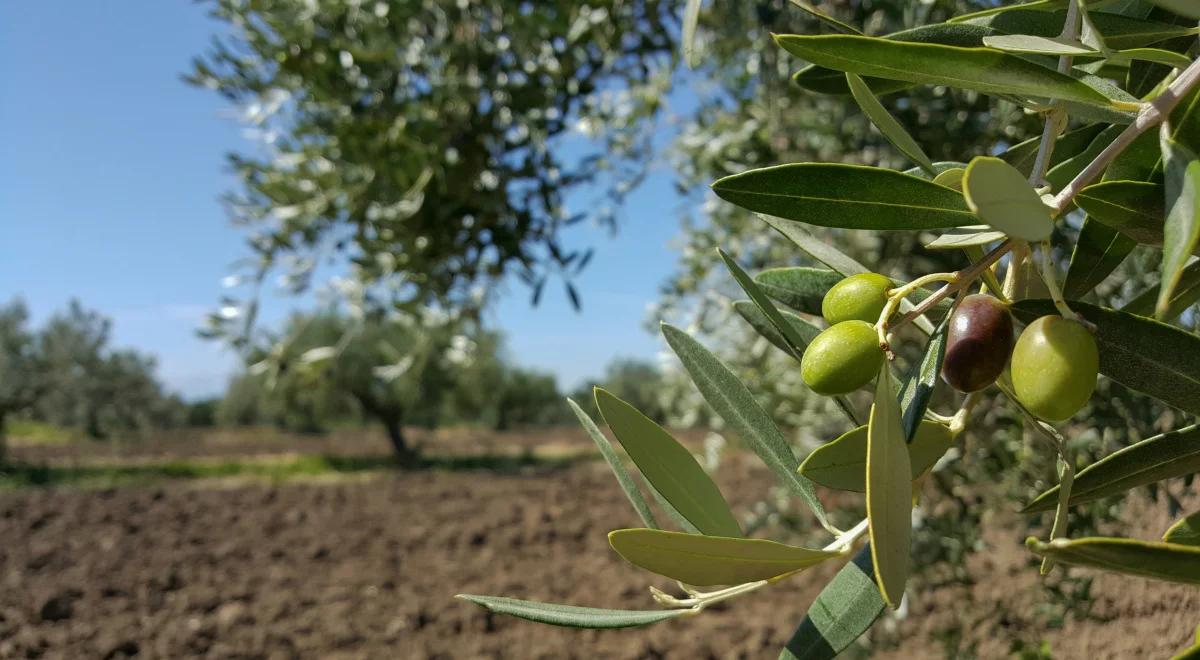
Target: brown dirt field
x,y
367,568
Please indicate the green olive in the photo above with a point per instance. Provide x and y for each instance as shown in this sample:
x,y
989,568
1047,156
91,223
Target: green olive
x,y
842,358
1054,367
857,298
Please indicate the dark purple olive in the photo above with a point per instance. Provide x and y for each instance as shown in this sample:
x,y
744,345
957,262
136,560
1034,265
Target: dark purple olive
x,y
978,343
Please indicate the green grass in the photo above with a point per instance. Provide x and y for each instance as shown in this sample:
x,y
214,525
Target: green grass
x,y
22,475
25,432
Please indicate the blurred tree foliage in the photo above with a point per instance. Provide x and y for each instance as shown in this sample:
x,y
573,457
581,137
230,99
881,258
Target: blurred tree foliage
x,y
424,141
638,382
67,374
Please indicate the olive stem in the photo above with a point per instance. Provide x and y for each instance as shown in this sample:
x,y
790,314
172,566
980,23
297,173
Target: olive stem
x,y
962,279
1150,115
959,421
1051,280
895,296
1066,481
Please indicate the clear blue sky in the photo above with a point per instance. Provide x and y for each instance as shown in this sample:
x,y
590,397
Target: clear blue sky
x,y
109,191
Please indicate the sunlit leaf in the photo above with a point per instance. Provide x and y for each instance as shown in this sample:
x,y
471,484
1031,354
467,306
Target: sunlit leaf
x,y
614,462
1185,531
961,237
1134,208
847,196
1158,561
742,413
1156,55
842,463
570,615
709,560
980,69
889,492
1181,231
1165,456
818,249
1119,31
691,15
1141,354
1003,199
886,123
764,304
951,178
842,612
1186,294
670,467
1027,43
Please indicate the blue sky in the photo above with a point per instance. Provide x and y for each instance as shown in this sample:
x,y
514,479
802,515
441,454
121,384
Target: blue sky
x,y
109,191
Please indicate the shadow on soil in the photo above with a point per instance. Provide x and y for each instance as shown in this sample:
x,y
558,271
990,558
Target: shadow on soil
x,y
22,475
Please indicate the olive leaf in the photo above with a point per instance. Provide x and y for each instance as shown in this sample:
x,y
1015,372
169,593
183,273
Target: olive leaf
x,y
795,340
1185,531
841,463
800,288
1028,43
814,247
887,124
889,491
571,616
1134,208
1164,456
1187,292
1002,198
832,22
1141,354
1119,31
1181,231
710,560
669,467
961,237
1098,251
980,69
842,612
628,486
846,196
1186,8
1159,561
1023,154
736,405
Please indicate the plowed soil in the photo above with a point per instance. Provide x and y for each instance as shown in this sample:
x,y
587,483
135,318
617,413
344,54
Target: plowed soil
x,y
367,568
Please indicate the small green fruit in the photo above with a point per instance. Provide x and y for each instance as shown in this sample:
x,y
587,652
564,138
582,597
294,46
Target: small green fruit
x,y
857,298
1054,367
842,358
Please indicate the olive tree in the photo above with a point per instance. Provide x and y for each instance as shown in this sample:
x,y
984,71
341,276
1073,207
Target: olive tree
x,y
1112,168
22,379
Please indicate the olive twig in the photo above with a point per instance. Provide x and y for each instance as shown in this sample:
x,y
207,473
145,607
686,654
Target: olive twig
x,y
1066,481
959,421
1051,280
895,296
962,279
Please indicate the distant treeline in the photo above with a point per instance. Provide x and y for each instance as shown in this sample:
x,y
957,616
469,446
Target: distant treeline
x,y
320,371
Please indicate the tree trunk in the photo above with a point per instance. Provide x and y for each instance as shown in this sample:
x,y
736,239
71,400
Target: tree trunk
x,y
395,432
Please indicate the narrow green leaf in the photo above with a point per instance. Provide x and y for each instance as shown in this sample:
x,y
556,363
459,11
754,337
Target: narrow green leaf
x,y
951,178
1181,231
793,337
736,405
1185,8
821,250
1158,561
691,16
807,331
710,560
759,321
980,69
1186,295
1156,55
1141,354
1098,252
670,467
1185,531
975,255
570,615
918,388
841,464
1028,43
1003,199
1134,208
618,468
961,237
1119,31
846,196
671,511
832,22
1059,175
886,123
889,492
842,612
800,288
1165,456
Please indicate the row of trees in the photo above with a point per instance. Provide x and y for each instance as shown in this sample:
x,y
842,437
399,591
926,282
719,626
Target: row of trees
x,y
67,373
328,368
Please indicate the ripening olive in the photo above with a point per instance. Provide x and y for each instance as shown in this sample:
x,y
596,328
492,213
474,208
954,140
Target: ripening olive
x,y
857,298
843,358
1054,367
978,343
